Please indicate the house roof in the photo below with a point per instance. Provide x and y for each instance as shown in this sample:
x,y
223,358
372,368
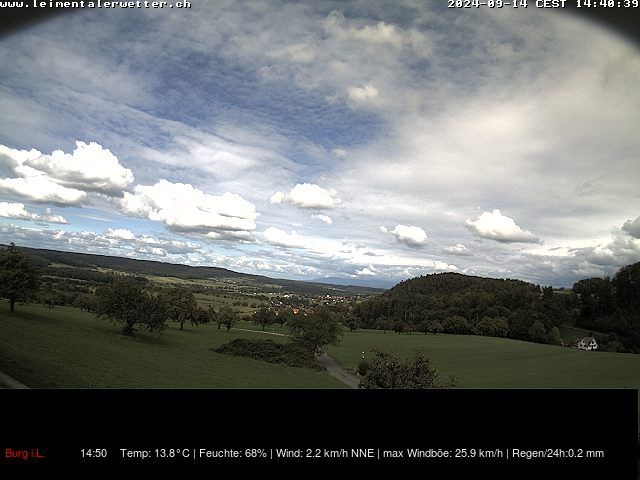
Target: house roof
x,y
587,340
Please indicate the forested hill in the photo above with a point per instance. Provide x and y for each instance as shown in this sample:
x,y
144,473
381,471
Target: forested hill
x,y
453,283
85,264
456,303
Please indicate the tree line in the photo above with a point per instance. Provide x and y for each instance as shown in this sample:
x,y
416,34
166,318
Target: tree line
x,y
462,304
438,303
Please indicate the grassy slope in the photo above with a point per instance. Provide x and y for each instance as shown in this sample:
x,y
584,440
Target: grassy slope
x,y
487,362
64,347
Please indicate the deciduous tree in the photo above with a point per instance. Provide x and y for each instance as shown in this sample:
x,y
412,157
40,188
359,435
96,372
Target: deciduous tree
x,y
314,332
18,278
125,301
181,305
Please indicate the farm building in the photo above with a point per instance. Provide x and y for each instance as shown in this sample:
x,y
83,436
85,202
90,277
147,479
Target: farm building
x,y
587,343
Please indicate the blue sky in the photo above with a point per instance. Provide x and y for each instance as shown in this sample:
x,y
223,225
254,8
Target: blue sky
x,y
365,140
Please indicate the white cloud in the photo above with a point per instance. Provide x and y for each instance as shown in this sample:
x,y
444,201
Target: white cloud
x,y
443,266
14,210
280,238
323,218
411,236
383,229
18,211
367,94
367,271
458,249
619,251
380,34
496,226
42,190
50,217
64,178
121,233
277,197
183,208
90,168
309,195
632,227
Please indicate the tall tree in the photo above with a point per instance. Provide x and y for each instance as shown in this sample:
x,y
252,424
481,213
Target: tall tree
x,y
537,332
312,333
227,316
181,305
18,278
264,317
284,315
125,301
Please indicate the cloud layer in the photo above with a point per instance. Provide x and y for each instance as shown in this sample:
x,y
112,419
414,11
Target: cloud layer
x,y
355,114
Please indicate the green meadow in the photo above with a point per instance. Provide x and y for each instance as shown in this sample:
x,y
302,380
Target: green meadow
x,y
489,362
65,347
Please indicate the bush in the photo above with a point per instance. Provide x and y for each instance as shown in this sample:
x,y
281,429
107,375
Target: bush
x,y
268,351
388,371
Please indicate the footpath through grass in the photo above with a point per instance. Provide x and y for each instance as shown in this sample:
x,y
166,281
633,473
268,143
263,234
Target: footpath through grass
x,y
65,347
488,362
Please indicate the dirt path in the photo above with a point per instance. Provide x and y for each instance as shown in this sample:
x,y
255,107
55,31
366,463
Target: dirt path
x,y
333,368
336,371
261,331
9,382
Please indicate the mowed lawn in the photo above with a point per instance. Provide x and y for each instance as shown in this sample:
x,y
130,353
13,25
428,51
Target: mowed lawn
x,y
65,347
488,362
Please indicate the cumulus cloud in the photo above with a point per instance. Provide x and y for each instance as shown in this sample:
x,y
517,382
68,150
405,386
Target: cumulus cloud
x,y
184,208
280,238
621,250
458,249
410,235
496,226
443,266
121,233
18,211
63,178
41,190
323,218
277,197
14,210
632,227
308,195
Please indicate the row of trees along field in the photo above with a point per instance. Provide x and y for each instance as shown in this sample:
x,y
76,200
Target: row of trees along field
x,y
461,304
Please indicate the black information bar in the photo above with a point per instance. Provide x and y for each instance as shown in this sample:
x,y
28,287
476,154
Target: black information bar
x,y
584,433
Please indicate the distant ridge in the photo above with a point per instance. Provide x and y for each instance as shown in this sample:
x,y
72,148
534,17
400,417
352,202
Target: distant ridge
x,y
360,282
150,267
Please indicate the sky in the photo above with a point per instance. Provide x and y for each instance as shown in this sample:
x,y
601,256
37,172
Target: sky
x,y
372,141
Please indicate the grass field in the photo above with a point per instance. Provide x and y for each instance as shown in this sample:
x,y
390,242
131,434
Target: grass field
x,y
488,362
64,347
